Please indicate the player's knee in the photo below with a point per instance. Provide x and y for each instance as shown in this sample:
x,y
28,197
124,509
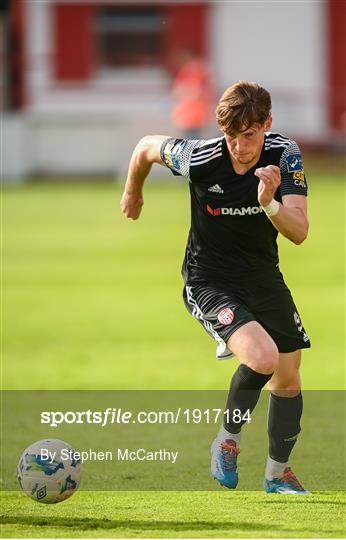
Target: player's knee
x,y
288,386
267,365
266,358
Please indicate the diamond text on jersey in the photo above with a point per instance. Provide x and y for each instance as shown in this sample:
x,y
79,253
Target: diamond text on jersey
x,y
243,211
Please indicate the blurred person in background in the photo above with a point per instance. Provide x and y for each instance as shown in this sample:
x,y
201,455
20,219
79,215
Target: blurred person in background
x,y
246,187
193,95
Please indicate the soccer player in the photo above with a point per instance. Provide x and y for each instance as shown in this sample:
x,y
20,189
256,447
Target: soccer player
x,y
246,187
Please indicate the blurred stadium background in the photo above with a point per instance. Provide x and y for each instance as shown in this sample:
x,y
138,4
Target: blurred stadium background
x,y
82,81
93,297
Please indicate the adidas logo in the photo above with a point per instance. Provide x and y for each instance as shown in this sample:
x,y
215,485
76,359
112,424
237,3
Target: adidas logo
x,y
216,189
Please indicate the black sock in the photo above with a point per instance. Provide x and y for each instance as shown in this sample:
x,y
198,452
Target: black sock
x,y
245,389
283,425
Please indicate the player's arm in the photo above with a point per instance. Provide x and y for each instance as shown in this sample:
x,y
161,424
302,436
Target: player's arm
x,y
290,217
144,155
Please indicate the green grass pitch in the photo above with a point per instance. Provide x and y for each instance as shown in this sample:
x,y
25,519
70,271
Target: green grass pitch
x,y
177,515
93,301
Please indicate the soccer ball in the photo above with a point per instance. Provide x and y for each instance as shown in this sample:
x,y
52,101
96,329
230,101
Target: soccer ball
x,y
48,472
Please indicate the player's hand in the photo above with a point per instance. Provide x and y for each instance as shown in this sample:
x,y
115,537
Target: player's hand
x,y
270,179
131,205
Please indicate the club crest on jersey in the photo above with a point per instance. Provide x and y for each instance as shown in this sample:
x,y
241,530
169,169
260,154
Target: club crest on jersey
x,y
226,316
294,163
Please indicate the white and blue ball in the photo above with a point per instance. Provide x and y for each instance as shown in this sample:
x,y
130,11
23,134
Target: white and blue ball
x,y
49,480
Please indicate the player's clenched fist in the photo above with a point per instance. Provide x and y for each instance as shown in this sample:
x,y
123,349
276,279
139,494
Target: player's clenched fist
x,y
270,179
131,205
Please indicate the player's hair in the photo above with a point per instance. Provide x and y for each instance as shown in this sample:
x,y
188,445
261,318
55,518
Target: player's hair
x,y
242,105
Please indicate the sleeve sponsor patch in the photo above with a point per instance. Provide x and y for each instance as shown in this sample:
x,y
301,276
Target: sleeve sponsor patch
x,y
166,154
293,180
294,163
176,154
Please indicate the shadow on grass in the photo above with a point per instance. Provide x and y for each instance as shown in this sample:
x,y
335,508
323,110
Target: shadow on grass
x,y
89,523
286,502
84,524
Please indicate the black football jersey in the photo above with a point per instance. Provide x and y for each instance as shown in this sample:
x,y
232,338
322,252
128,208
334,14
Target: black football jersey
x,y
231,238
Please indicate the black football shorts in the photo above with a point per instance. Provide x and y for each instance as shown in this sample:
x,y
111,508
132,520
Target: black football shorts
x,y
223,308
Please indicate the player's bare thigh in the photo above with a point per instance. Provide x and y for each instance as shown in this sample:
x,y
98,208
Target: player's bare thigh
x,y
254,347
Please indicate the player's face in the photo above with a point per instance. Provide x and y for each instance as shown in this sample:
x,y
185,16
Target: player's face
x,y
245,146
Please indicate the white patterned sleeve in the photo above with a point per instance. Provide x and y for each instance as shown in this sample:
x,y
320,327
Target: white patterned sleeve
x,y
176,155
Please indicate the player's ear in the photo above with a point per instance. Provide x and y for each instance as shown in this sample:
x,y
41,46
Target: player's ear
x,y
268,123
